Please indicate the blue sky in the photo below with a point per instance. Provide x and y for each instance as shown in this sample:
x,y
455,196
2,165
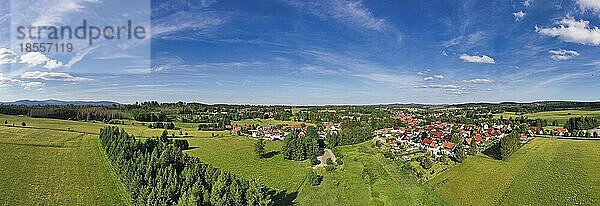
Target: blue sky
x,y
323,52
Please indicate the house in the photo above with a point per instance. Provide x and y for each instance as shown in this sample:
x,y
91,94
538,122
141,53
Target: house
x,y
560,131
448,146
478,138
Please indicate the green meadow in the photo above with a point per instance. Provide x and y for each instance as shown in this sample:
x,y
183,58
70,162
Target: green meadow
x,y
236,155
560,116
342,187
49,167
345,186
139,129
544,172
60,162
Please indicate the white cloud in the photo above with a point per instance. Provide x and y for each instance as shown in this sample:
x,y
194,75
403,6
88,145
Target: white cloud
x,y
519,15
52,76
32,85
593,5
6,81
36,58
478,81
440,86
433,77
7,56
53,64
527,2
562,54
570,30
33,59
484,59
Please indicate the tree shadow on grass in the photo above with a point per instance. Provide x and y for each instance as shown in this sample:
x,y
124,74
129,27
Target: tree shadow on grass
x,y
493,152
191,148
283,197
271,154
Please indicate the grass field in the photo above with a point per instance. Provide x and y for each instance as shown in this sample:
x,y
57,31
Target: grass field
x,y
236,154
346,187
48,167
560,116
343,187
544,172
137,129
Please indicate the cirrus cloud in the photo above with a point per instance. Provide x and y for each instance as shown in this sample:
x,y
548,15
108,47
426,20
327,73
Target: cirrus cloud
x,y
483,59
53,76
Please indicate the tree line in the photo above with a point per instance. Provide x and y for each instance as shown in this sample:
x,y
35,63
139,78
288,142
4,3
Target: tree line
x,y
581,123
157,172
67,112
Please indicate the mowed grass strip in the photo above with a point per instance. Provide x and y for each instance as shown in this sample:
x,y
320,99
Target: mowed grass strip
x,y
46,167
236,155
545,171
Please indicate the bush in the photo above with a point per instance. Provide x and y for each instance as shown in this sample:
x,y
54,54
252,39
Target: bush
x,y
314,160
329,168
314,179
368,176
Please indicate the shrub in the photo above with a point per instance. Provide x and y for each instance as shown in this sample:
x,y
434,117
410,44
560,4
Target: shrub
x,y
314,179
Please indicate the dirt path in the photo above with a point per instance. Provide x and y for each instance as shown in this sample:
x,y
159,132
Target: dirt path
x,y
327,153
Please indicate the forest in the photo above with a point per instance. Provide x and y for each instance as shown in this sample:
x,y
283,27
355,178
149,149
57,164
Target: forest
x,y
157,172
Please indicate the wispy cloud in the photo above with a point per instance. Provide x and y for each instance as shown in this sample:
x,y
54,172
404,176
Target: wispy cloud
x,y
184,20
61,9
348,12
483,59
562,54
53,76
571,30
478,81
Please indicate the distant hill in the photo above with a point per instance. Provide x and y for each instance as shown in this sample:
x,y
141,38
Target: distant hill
x,y
58,102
